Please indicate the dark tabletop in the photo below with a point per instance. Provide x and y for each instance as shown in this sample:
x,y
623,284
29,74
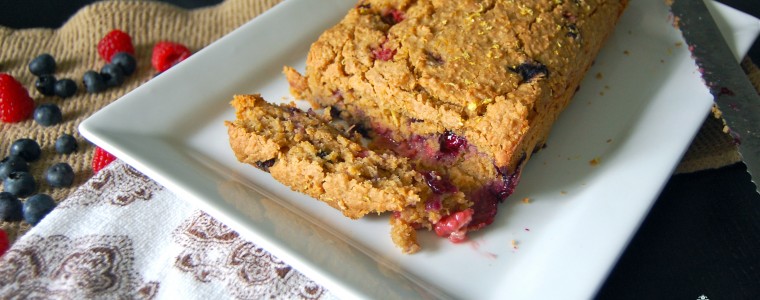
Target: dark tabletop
x,y
700,240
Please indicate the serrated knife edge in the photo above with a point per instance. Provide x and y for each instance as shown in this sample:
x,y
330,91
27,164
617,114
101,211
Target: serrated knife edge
x,y
735,96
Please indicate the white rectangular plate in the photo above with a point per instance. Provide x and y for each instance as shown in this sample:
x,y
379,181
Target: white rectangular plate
x,y
635,114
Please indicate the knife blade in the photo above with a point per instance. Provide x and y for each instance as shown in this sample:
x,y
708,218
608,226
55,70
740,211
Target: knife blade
x,y
735,96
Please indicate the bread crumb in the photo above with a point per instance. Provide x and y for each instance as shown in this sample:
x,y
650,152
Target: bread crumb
x,y
599,75
626,52
526,200
594,162
514,244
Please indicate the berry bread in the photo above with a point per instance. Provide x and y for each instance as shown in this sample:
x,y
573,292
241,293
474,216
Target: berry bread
x,y
303,152
467,90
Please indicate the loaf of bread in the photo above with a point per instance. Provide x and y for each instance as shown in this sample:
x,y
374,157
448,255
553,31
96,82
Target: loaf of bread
x,y
303,152
466,89
453,96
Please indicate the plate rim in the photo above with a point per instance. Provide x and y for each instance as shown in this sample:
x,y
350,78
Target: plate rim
x,y
97,130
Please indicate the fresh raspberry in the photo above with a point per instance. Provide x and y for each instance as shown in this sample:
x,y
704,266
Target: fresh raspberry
x,y
167,54
114,42
454,226
5,244
15,103
100,159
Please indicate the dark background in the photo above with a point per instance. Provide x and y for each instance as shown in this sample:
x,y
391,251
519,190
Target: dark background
x,y
702,236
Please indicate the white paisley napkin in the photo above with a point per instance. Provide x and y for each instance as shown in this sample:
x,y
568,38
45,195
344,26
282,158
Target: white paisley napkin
x,y
123,236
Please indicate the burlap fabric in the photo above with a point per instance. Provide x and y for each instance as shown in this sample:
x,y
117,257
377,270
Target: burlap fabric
x,y
74,47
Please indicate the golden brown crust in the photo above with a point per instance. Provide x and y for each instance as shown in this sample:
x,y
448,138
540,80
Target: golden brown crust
x,y
455,65
404,236
299,86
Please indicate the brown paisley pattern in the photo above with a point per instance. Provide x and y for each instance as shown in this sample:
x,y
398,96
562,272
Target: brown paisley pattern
x,y
118,184
214,252
58,267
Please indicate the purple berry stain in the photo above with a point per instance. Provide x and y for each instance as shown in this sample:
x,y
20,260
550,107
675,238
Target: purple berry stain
x,y
383,53
433,203
437,183
734,106
486,199
724,91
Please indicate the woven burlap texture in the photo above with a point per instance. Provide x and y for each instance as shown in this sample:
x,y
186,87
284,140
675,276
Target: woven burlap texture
x,y
74,47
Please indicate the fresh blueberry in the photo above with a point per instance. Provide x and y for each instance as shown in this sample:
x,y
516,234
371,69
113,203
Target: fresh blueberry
x,y
28,149
126,61
11,164
43,64
45,84
20,184
112,74
47,114
10,208
93,82
65,88
37,207
60,175
66,144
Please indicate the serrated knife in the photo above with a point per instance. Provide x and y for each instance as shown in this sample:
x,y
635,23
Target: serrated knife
x,y
735,96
